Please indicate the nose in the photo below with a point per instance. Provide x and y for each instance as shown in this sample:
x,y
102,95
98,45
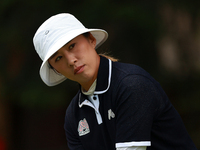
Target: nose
x,y
70,58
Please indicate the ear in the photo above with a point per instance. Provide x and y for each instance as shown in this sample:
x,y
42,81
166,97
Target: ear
x,y
92,40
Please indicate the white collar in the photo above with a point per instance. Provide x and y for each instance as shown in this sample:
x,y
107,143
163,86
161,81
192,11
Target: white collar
x,y
91,90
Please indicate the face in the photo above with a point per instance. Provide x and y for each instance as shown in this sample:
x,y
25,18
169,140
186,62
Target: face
x,y
78,60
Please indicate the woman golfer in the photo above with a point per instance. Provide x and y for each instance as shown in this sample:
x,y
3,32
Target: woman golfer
x,y
118,106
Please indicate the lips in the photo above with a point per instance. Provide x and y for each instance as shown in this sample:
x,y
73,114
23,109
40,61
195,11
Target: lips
x,y
79,69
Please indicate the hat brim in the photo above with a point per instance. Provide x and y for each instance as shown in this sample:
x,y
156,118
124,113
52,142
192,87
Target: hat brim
x,y
48,75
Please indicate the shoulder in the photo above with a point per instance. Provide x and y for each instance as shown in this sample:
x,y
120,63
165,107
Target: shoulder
x,y
132,79
131,82
130,74
125,69
73,104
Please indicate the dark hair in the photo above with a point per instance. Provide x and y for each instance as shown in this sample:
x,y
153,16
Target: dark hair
x,y
50,66
87,34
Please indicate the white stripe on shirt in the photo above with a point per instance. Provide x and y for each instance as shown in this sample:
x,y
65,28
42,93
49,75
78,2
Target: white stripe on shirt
x,y
133,148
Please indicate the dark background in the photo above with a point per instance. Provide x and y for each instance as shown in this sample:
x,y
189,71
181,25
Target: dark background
x,y
161,36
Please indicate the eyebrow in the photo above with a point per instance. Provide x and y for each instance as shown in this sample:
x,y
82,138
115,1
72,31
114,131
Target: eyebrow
x,y
57,51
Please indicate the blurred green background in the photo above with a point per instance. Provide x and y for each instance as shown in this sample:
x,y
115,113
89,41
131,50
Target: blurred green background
x,y
162,36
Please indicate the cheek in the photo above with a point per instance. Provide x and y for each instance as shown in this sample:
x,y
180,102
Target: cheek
x,y
68,75
61,68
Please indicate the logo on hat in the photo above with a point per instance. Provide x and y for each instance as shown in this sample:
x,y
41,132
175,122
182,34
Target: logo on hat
x,y
83,127
46,32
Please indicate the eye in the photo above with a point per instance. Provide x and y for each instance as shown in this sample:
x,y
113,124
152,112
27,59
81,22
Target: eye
x,y
58,58
71,46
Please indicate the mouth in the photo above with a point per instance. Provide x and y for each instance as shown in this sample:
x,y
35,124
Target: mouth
x,y
79,69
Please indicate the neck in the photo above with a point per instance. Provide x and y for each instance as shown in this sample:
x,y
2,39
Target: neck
x,y
91,90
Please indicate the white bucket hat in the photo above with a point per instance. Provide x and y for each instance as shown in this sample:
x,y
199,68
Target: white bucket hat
x,y
53,34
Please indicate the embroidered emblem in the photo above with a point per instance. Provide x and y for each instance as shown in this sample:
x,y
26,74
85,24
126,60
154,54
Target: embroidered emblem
x,y
83,127
110,114
46,32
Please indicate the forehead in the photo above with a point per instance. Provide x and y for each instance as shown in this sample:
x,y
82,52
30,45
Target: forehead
x,y
76,38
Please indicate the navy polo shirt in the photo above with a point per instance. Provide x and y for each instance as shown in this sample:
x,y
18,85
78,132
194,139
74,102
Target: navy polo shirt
x,y
131,110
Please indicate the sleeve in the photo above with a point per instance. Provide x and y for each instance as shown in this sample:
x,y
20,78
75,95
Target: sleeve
x,y
136,106
133,148
73,141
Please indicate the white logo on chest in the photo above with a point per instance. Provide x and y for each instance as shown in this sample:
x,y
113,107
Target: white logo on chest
x,y
83,127
110,114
